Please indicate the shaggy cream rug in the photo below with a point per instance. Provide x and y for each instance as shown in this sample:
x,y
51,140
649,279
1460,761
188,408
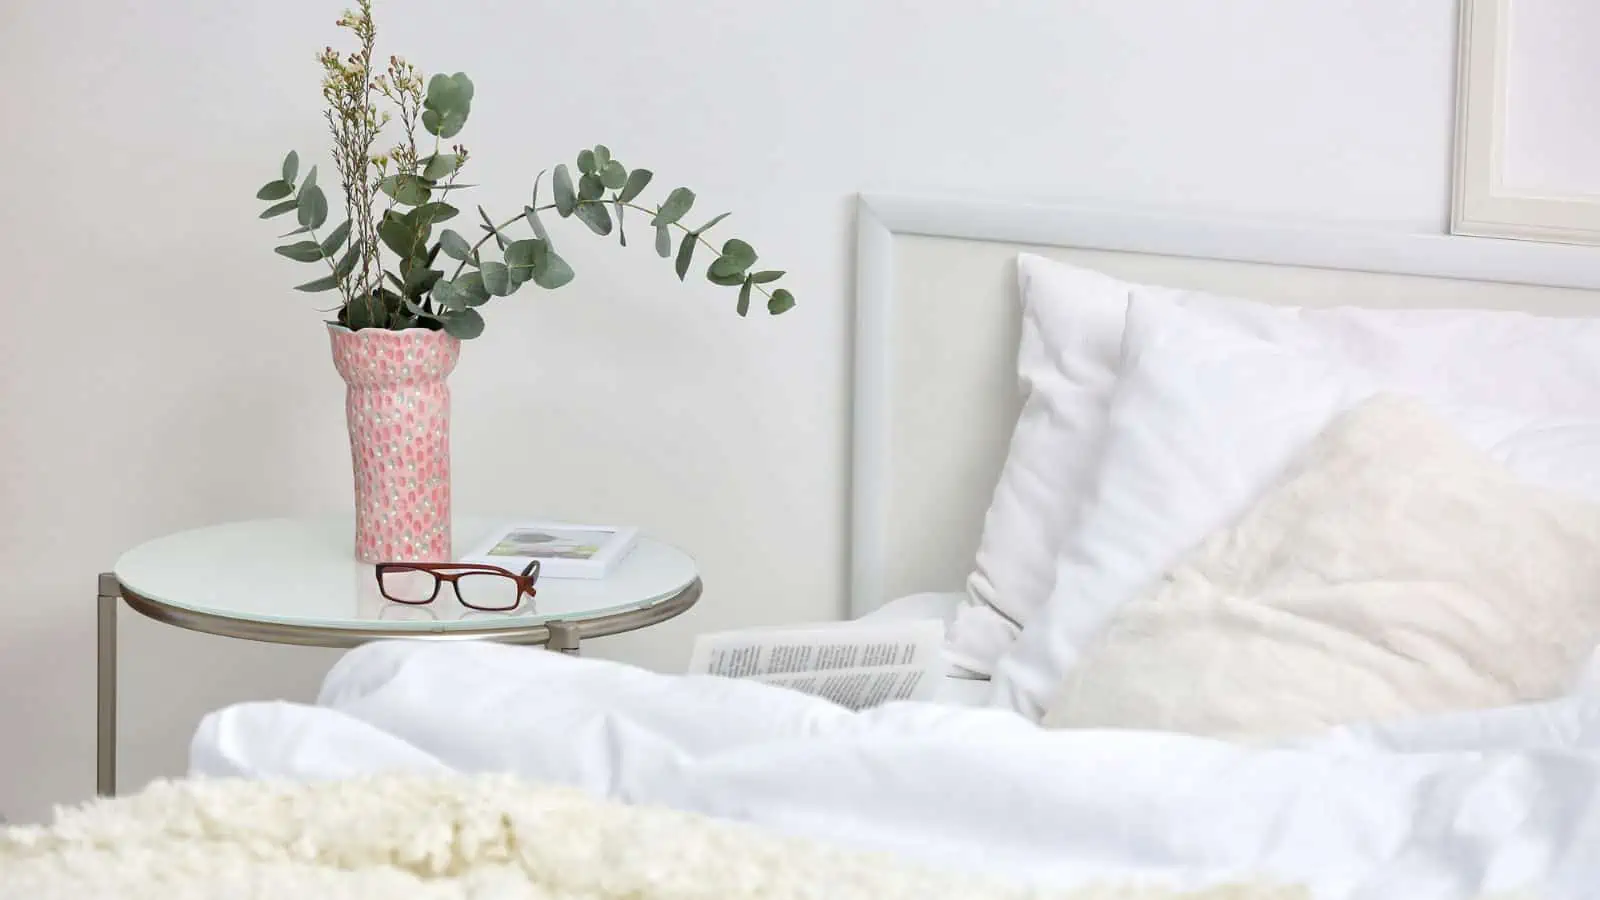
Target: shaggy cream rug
x,y
457,838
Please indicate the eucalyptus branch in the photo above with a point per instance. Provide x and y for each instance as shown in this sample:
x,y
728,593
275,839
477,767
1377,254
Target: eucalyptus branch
x,y
699,238
481,241
333,268
344,283
418,191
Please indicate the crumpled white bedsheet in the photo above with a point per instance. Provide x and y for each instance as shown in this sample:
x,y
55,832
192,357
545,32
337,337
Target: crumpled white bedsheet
x,y
1451,807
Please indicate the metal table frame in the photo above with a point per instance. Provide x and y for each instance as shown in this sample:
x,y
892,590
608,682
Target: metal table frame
x,y
559,635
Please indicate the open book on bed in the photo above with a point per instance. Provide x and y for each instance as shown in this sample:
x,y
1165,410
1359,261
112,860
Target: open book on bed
x,y
853,664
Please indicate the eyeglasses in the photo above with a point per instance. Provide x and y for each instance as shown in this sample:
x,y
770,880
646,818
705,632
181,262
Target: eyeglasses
x,y
481,587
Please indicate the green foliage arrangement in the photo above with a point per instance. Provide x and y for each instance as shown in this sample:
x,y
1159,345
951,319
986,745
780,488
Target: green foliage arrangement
x,y
413,190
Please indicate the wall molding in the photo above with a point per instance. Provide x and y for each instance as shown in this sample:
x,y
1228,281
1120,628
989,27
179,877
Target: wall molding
x,y
1481,203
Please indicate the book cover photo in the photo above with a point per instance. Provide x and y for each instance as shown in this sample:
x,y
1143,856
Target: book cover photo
x,y
564,550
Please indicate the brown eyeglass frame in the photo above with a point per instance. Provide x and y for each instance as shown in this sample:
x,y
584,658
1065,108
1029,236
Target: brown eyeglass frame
x,y
452,572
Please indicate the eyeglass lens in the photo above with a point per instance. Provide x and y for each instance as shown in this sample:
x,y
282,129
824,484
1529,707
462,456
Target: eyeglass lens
x,y
488,591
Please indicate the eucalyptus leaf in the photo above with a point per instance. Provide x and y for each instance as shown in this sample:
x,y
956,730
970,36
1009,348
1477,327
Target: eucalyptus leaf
x,y
709,225
637,181
335,239
348,264
300,251
685,254
436,123
454,245
723,267
586,162
440,165
397,237
766,276
735,258
561,184
602,156
428,213
464,325
781,302
521,257
278,209
532,215
590,188
291,166
744,298
442,188
406,189
313,207
488,225
677,203
326,283
663,241
496,279
595,216
532,212
397,282
723,279
448,296
410,305
419,279
301,230
449,101
449,91
398,306
614,176
622,236
311,179
366,312
471,286
553,271
275,190
739,253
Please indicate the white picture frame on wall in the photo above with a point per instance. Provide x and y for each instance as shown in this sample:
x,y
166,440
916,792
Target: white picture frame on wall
x,y
1483,203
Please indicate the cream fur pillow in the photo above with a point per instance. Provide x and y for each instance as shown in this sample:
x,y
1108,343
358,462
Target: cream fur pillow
x,y
1395,570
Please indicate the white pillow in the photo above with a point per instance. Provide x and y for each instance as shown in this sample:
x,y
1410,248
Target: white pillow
x,y
1066,366
1067,362
1207,413
1396,571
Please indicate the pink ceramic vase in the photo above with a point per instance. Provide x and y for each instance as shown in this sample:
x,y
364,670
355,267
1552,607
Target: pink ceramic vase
x,y
397,405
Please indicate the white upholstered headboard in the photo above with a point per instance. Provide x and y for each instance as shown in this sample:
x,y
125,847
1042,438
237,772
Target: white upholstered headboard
x,y
937,320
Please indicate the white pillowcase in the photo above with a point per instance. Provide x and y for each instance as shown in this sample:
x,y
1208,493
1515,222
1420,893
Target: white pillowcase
x,y
1068,357
1071,340
1214,400
1396,571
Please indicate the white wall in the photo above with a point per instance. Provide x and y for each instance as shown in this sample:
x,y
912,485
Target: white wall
x,y
157,372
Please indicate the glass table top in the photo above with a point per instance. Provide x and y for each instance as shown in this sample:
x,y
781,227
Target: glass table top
x,y
304,572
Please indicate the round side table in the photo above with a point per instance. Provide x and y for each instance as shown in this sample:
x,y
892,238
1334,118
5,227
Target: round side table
x,y
295,581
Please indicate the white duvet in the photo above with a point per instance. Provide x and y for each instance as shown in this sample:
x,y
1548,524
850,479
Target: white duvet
x,y
1454,807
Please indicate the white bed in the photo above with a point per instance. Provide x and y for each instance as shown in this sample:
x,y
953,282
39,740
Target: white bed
x,y
1448,807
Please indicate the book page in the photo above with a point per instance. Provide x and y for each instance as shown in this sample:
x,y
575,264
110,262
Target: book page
x,y
861,688
853,664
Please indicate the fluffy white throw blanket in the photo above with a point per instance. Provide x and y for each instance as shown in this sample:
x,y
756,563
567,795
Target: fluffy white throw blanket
x,y
406,837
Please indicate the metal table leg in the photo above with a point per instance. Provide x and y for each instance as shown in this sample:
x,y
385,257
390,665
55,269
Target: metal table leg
x,y
563,638
105,730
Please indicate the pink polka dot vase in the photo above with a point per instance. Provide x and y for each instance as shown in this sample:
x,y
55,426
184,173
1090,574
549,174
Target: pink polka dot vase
x,y
397,405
